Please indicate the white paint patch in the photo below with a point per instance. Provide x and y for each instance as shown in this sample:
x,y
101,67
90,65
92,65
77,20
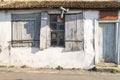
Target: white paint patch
x,y
5,33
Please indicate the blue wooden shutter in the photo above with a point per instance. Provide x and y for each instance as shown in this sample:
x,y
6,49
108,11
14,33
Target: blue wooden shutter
x,y
25,30
74,32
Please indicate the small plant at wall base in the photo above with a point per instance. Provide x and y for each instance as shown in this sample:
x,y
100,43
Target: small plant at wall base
x,y
59,68
93,69
115,71
0,49
24,66
3,66
73,68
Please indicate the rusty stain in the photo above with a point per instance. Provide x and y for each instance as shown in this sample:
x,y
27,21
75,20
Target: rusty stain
x,y
108,15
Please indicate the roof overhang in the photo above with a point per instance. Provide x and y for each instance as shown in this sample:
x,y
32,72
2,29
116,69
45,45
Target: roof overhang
x,y
56,4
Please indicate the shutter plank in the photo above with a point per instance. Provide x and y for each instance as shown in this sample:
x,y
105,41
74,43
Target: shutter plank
x,y
74,27
67,29
80,29
68,45
80,32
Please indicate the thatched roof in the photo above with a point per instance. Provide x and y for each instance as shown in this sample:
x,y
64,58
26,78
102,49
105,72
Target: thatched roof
x,y
57,4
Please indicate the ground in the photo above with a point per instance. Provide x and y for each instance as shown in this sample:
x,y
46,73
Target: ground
x,y
57,76
49,74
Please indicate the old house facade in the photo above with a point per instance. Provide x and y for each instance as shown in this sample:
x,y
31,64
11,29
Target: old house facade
x,y
40,34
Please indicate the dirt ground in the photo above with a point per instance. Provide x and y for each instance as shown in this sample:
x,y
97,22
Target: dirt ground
x,y
57,76
49,74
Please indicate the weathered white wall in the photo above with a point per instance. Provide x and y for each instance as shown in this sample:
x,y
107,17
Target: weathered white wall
x,y
5,33
89,32
51,57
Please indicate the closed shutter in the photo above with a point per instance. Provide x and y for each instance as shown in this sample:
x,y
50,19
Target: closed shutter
x,y
25,30
74,32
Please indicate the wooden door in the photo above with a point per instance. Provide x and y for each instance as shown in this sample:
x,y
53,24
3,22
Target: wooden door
x,y
107,40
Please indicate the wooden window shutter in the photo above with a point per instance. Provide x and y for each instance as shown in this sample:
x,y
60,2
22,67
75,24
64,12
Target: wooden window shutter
x,y
108,15
74,32
25,30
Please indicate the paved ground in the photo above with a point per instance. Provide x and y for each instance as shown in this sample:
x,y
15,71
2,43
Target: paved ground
x,y
57,75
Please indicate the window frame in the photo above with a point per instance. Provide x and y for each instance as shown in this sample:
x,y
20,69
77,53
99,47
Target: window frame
x,y
57,30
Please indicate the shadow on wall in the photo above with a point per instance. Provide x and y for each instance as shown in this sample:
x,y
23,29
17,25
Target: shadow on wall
x,y
34,50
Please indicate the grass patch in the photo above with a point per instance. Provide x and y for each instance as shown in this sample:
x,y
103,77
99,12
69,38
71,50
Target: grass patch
x,y
3,66
24,66
12,66
59,68
93,69
115,71
73,68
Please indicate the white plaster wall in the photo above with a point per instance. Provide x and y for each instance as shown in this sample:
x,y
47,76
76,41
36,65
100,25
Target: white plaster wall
x,y
5,33
89,33
48,58
51,57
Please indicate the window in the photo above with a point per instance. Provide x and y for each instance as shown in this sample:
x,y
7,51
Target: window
x,y
57,30
25,31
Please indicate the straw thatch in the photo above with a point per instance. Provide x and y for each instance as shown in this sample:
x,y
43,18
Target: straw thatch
x,y
57,4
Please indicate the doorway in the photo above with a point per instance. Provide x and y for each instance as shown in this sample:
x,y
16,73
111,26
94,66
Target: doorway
x,y
107,41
